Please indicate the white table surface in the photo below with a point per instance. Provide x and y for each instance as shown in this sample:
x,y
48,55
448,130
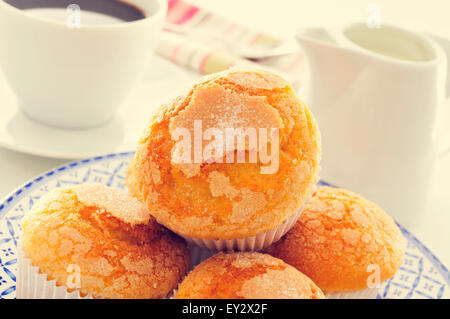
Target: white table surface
x,y
282,17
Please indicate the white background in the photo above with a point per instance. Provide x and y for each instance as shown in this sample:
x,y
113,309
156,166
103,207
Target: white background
x,y
282,18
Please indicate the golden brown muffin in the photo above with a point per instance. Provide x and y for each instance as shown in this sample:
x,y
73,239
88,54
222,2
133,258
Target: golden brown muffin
x,y
248,275
342,239
216,199
119,248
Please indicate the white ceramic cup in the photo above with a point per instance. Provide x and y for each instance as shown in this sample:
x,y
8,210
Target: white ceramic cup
x,y
376,94
75,77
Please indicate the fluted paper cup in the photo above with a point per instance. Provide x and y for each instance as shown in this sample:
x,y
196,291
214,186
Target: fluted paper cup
x,y
251,243
31,284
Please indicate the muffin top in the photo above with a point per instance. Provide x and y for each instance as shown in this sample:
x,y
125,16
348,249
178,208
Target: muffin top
x,y
343,242
118,247
224,186
246,276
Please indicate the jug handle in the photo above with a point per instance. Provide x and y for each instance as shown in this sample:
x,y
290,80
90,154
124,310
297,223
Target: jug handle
x,y
445,46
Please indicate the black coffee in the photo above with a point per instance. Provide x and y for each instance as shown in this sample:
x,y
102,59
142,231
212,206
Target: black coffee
x,y
114,8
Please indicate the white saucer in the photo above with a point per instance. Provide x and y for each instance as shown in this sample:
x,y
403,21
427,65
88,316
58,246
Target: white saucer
x,y
19,133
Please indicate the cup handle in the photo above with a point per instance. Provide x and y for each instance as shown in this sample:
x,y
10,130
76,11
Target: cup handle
x,y
444,44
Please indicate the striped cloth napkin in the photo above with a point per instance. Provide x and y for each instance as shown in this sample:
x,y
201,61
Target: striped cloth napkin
x,y
203,42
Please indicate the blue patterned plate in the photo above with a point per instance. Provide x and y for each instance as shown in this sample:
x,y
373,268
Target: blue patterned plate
x,y
422,275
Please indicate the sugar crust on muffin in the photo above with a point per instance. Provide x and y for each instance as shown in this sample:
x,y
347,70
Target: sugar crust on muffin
x,y
118,246
228,200
246,276
340,240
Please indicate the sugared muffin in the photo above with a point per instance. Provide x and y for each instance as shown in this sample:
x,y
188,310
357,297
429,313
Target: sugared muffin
x,y
214,189
246,275
105,237
343,242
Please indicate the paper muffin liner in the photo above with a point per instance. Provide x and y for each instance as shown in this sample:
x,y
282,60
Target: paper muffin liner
x,y
368,293
251,243
31,284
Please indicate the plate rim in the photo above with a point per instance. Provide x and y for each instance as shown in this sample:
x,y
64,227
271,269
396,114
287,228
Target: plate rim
x,y
31,184
8,201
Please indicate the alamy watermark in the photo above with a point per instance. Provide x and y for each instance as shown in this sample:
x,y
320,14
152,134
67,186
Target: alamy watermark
x,y
73,16
227,145
373,18
374,279
74,278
